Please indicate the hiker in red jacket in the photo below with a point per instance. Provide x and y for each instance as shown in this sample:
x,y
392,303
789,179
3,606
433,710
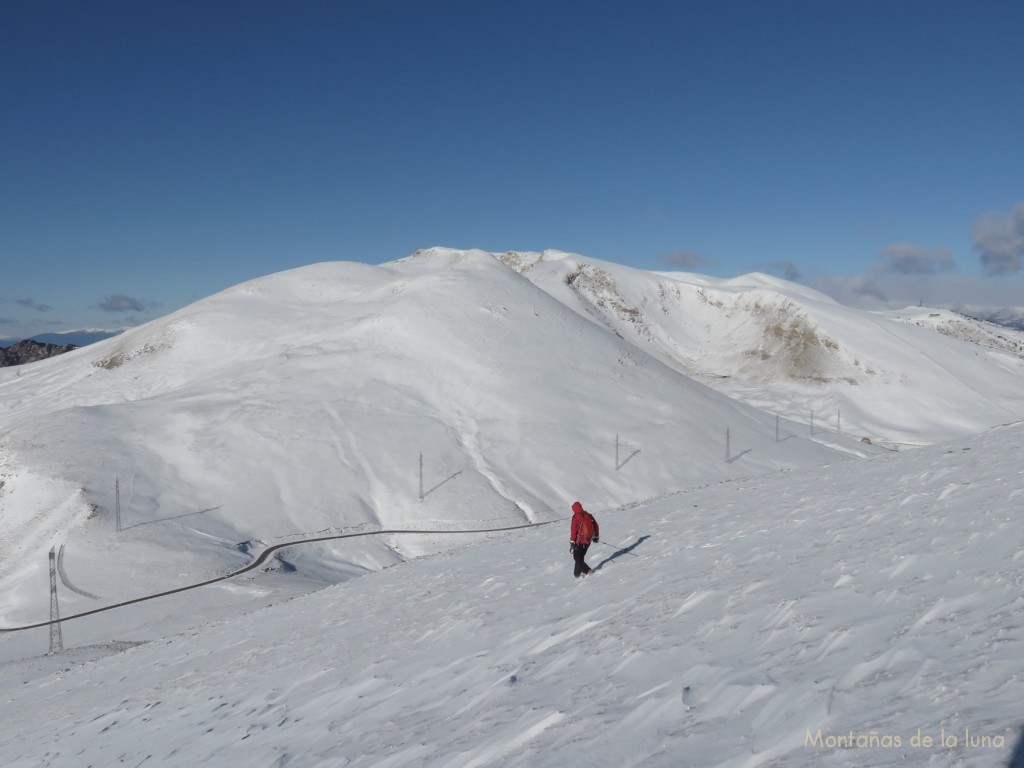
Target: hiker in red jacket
x,y
582,531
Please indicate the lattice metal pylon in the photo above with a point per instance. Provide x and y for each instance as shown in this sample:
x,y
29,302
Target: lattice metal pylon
x,y
56,639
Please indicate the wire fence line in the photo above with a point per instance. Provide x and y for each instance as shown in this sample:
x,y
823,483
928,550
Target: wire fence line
x,y
442,528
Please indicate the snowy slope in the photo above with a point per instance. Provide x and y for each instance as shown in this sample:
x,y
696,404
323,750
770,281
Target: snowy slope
x,y
1001,339
785,347
821,617
300,403
1005,317
774,583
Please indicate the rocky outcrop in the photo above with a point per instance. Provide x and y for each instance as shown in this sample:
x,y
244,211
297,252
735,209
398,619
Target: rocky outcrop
x,y
29,351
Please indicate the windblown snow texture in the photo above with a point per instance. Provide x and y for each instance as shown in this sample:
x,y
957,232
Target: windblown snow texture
x,y
790,583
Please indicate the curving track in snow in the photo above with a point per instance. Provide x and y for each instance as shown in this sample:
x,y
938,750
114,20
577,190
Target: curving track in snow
x,y
67,582
263,557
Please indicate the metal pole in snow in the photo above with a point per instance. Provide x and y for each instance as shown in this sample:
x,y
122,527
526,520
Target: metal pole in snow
x,y
56,638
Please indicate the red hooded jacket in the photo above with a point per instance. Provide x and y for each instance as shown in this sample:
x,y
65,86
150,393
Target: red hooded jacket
x,y
584,528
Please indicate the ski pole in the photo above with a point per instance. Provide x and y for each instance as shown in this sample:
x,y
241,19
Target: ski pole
x,y
623,551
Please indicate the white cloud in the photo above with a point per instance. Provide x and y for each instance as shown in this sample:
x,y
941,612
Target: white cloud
x,y
119,303
1000,238
30,304
945,289
852,290
905,274
909,259
787,270
685,259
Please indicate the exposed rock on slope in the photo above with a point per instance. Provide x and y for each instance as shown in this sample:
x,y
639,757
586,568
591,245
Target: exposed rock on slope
x,y
29,351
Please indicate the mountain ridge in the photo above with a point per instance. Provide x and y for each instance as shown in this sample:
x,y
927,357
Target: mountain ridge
x,y
30,351
307,400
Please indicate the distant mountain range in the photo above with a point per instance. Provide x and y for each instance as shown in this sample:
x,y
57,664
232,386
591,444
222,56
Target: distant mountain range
x,y
1010,317
78,338
29,351
44,345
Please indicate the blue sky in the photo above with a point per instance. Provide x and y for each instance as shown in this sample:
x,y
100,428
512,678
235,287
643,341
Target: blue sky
x,y
155,153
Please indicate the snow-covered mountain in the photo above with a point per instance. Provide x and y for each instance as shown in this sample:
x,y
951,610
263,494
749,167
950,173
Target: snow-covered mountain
x,y
460,389
303,402
79,338
788,348
29,351
986,333
1008,317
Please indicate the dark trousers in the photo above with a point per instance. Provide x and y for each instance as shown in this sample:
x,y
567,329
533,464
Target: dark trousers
x,y
578,553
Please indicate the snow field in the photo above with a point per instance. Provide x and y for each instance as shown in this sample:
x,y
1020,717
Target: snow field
x,y
869,604
772,614
301,403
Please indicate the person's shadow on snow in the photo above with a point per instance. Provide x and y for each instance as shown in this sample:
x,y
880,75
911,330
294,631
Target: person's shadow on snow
x,y
626,551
